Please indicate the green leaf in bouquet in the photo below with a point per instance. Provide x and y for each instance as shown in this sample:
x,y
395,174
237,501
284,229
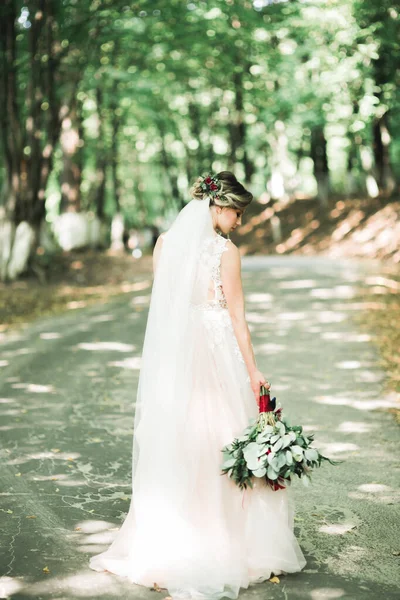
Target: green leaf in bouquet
x,y
311,454
287,474
306,480
292,435
297,428
281,460
243,438
262,449
274,438
289,457
228,463
250,451
271,457
297,453
262,438
300,441
271,473
260,472
278,445
268,429
286,440
280,427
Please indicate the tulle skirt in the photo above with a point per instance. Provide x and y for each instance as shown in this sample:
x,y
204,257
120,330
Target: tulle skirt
x,y
222,539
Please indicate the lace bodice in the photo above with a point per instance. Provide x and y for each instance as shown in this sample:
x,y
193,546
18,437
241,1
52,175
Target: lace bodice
x,y
214,312
210,259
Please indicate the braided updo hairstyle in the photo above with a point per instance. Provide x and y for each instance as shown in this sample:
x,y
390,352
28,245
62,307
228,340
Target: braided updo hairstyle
x,y
231,193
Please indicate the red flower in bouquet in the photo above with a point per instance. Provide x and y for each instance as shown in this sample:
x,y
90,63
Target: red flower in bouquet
x,y
272,449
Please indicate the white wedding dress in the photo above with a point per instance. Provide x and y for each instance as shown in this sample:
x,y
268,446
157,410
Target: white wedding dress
x,y
219,539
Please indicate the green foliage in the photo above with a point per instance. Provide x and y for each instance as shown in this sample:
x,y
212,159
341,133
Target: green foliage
x,y
169,90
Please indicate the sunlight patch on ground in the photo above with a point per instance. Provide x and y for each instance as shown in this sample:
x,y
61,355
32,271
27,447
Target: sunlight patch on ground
x,y
334,448
83,584
374,488
102,318
291,316
299,284
348,364
50,335
386,401
327,593
140,300
270,348
344,336
19,352
330,316
259,297
355,427
34,387
115,346
9,586
53,455
133,363
337,528
339,291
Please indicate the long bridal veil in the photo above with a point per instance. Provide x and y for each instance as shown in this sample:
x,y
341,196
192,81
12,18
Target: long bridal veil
x,y
163,468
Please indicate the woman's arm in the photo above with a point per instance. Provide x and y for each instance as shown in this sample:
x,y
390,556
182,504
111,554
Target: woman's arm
x,y
233,290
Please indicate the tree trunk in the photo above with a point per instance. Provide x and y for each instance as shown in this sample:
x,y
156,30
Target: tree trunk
x,y
71,176
101,161
381,149
238,132
320,159
28,143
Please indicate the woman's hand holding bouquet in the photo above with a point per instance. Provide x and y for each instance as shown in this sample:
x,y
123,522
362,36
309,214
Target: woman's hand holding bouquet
x,y
270,448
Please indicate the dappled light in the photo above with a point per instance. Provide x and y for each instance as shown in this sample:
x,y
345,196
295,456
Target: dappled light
x,y
386,401
327,593
355,427
34,388
50,335
129,363
68,429
113,346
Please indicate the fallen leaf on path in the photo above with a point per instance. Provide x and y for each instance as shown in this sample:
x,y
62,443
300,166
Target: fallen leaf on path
x,y
395,553
156,588
18,474
274,579
78,528
46,570
31,517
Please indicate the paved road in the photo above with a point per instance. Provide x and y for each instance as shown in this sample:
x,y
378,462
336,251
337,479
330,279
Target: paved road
x,y
67,402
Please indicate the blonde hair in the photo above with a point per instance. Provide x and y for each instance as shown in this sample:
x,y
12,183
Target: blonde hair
x,y
231,193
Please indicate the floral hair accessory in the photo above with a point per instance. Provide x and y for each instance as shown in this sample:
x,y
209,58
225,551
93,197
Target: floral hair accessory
x,y
211,186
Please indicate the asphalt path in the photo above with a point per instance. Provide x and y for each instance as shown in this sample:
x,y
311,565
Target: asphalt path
x,y
67,396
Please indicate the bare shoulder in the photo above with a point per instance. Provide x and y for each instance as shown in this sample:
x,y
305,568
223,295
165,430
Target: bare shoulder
x,y
230,260
231,250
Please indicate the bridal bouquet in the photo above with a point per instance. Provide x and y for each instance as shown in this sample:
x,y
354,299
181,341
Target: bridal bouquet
x,y
271,448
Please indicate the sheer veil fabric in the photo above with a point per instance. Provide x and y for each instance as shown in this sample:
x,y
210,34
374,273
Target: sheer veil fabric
x,y
188,528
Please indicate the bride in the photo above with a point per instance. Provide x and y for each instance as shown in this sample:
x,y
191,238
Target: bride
x,y
190,529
